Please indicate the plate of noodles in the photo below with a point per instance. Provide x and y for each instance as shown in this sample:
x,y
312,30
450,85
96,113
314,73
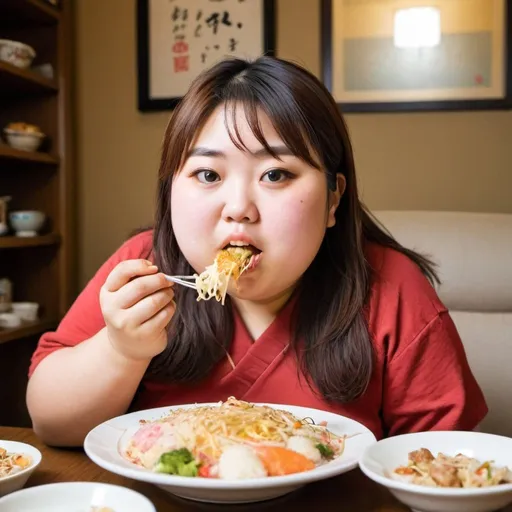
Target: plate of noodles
x,y
229,452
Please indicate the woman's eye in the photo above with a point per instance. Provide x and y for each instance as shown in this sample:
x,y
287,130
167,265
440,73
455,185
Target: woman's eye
x,y
276,175
207,176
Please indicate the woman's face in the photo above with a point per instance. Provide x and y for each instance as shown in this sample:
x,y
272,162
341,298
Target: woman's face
x,y
223,193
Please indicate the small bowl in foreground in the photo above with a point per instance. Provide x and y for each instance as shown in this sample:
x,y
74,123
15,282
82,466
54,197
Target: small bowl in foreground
x,y
67,496
381,458
17,480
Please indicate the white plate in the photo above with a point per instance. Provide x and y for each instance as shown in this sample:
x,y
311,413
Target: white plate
x,y
105,443
76,497
16,481
380,459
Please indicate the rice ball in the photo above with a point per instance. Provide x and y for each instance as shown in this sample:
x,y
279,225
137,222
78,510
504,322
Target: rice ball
x,y
239,462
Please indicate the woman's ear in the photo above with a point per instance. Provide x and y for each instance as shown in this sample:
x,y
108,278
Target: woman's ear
x,y
334,199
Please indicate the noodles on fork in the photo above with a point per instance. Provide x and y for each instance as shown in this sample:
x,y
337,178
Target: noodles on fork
x,y
229,263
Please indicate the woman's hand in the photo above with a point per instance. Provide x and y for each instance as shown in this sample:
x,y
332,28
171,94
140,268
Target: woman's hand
x,y
137,304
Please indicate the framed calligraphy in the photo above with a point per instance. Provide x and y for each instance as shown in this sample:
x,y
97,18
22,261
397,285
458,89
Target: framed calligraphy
x,y
406,55
177,39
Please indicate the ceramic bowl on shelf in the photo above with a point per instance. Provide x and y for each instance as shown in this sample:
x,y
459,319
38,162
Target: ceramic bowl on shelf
x,y
24,141
28,138
16,53
27,222
25,311
9,320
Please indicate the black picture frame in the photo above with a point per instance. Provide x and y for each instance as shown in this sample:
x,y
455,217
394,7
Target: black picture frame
x,y
145,102
505,102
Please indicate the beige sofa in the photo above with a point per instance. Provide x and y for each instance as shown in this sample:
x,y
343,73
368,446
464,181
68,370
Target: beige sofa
x,y
474,254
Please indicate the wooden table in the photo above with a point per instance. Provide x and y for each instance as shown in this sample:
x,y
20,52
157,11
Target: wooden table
x,y
351,492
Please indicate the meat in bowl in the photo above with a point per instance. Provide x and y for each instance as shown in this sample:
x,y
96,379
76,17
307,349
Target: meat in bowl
x,y
459,471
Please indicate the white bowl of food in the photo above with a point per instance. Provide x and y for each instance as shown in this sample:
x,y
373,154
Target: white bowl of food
x,y
23,136
229,452
17,462
16,53
443,471
83,496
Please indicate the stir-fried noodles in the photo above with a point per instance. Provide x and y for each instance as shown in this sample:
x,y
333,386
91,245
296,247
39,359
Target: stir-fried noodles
x,y
263,436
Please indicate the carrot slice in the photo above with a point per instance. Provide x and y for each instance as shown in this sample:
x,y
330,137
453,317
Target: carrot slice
x,y
281,461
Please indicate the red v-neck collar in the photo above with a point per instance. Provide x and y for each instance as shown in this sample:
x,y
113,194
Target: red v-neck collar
x,y
276,334
253,358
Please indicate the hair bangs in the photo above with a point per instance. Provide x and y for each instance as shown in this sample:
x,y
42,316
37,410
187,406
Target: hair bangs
x,y
260,97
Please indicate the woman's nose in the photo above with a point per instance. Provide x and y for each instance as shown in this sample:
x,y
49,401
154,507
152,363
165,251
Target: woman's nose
x,y
240,208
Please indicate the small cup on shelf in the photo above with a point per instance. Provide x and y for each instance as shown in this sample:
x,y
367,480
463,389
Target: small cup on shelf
x,y
27,222
25,311
9,320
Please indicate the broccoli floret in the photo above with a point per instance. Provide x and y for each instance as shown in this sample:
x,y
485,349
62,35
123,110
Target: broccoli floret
x,y
177,462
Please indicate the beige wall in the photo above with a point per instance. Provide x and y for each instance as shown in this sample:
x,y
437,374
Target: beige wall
x,y
450,161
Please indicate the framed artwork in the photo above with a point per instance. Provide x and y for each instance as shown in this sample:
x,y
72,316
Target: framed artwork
x,y
177,39
411,55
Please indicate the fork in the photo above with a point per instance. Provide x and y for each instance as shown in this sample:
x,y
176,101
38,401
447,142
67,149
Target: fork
x,y
187,281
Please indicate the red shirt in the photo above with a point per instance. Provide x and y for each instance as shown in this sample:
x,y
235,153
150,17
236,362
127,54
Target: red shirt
x,y
421,379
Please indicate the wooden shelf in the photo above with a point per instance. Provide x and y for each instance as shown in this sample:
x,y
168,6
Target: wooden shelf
x,y
6,152
42,269
15,81
28,12
27,329
16,242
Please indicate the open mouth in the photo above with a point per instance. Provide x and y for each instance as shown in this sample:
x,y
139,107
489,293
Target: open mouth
x,y
248,254
248,247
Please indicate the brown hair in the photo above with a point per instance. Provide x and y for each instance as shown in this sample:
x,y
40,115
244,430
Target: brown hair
x,y
330,334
